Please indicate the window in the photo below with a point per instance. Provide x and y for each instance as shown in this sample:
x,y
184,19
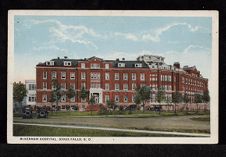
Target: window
x,y
44,85
95,66
67,63
134,86
31,87
83,75
31,98
63,75
53,86
133,98
133,76
107,86
121,64
125,86
45,75
116,76
106,66
142,76
72,99
116,98
95,76
125,98
63,98
63,86
54,75
142,85
95,85
83,65
50,63
83,85
44,98
106,76
107,98
138,65
116,86
125,76
72,75
72,85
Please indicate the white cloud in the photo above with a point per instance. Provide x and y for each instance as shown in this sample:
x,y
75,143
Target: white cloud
x,y
154,35
73,33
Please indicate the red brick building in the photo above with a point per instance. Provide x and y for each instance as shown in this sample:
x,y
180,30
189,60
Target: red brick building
x,y
115,79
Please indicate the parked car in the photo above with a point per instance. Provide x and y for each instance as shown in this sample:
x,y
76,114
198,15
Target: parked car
x,y
131,107
42,113
26,112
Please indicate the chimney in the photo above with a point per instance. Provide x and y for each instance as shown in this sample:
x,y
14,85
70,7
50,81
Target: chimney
x,y
123,59
65,57
58,57
177,65
117,59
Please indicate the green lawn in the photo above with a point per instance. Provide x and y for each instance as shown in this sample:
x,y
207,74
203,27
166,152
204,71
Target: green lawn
x,y
201,118
21,130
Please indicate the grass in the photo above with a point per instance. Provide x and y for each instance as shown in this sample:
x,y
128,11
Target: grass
x,y
201,118
21,130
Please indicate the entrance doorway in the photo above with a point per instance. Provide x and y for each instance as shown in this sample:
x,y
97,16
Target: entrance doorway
x,y
96,97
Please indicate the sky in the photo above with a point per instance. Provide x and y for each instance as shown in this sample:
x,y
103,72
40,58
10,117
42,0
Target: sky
x,y
179,39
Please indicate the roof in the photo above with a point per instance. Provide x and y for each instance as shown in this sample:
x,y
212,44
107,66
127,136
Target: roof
x,y
130,64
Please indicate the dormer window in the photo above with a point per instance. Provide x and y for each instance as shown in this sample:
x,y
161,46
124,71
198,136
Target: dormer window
x,y
138,65
95,66
121,64
67,63
50,63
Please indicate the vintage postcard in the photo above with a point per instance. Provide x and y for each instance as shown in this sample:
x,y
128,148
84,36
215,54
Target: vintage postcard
x,y
112,77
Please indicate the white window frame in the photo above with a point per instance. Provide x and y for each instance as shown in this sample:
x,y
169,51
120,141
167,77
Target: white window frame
x,y
106,98
117,99
134,86
83,84
83,75
107,76
126,98
125,76
117,85
142,76
107,86
45,75
72,99
116,76
44,98
125,87
72,75
44,85
53,74
63,75
72,85
67,63
134,76
63,98
106,66
83,65
121,65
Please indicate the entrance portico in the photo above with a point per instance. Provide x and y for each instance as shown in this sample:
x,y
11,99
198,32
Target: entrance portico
x,y
98,95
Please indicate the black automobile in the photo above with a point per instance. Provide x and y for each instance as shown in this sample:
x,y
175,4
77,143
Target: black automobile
x,y
26,112
131,107
42,113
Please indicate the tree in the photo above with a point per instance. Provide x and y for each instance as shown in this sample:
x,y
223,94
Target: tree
x,y
186,100
19,92
176,98
198,99
206,97
56,92
111,104
83,94
91,101
160,96
143,94
70,93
